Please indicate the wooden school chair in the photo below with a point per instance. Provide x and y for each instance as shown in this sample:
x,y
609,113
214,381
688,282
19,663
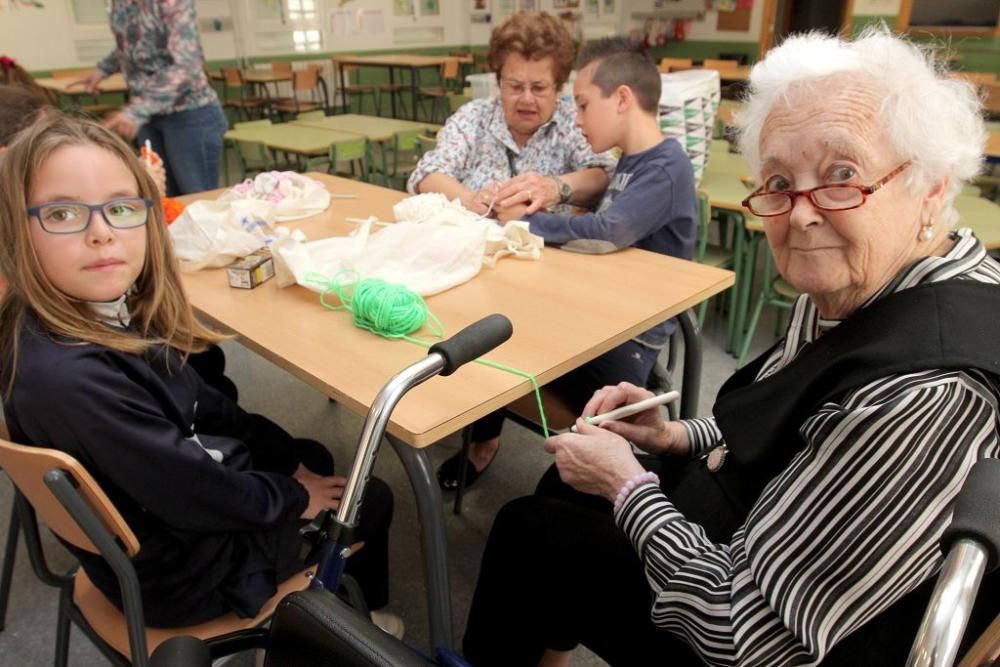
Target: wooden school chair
x,y
74,507
308,93
235,97
356,153
355,91
438,95
717,64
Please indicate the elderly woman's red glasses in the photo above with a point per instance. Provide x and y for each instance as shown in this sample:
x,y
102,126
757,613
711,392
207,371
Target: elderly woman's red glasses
x,y
824,197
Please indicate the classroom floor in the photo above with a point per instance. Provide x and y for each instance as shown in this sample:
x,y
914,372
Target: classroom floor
x,y
28,638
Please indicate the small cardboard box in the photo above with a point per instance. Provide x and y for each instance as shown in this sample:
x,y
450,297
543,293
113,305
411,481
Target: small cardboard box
x,y
252,270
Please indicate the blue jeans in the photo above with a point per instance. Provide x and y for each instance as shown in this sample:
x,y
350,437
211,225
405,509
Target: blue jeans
x,y
190,143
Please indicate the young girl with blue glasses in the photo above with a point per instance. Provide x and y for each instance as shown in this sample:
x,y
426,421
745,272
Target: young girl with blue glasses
x,y
95,331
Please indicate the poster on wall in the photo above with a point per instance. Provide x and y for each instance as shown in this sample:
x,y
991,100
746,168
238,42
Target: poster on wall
x,y
565,4
429,8
506,6
592,7
608,8
528,5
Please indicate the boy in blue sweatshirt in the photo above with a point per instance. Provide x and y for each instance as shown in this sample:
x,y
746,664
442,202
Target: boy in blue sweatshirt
x,y
650,203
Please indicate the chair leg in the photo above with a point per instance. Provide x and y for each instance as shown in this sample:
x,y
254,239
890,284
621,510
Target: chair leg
x,y
62,628
460,491
10,552
748,336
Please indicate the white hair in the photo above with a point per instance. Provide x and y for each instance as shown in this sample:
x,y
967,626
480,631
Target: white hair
x,y
929,118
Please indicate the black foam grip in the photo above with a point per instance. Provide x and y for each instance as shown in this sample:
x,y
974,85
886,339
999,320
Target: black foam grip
x,y
181,651
977,511
473,341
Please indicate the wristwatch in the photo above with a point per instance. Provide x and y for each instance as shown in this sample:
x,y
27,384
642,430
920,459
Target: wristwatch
x,y
565,191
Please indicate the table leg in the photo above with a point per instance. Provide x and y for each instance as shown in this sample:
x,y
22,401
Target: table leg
x,y
343,88
433,539
736,290
414,93
746,289
392,94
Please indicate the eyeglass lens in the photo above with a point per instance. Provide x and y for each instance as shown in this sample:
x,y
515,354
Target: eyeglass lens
x,y
66,218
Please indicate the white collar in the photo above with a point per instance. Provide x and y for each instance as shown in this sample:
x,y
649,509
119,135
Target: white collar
x,y
114,313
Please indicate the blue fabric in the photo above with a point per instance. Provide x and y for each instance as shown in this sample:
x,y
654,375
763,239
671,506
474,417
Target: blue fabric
x,y
190,143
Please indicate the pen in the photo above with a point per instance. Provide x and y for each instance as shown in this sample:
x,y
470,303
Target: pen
x,y
632,408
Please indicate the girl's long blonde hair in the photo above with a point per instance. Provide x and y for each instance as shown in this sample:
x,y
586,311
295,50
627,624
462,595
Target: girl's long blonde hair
x,y
159,309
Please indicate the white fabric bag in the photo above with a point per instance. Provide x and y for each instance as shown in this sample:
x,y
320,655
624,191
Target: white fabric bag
x,y
292,195
427,259
216,233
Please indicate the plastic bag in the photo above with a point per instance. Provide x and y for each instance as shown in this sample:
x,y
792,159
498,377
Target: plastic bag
x,y
292,195
427,259
216,233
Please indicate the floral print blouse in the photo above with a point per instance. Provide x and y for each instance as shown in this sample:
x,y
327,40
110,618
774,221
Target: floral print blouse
x,y
159,53
476,147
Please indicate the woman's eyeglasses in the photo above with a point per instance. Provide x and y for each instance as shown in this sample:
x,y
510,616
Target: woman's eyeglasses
x,y
74,217
824,197
517,88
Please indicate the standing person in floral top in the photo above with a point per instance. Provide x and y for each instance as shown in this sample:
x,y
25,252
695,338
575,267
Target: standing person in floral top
x,y
521,146
171,102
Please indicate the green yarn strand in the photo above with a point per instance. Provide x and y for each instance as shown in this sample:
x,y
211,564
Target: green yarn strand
x,y
394,311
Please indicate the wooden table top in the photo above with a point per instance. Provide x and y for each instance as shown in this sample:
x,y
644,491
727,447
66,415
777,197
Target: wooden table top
x,y
113,84
291,138
253,75
993,145
566,309
376,128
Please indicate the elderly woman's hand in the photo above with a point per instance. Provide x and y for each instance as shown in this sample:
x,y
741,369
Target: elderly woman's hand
x,y
482,202
530,189
646,429
593,460
507,213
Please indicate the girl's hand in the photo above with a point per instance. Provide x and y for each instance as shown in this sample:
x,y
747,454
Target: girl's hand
x,y
324,492
593,460
158,174
646,429
122,124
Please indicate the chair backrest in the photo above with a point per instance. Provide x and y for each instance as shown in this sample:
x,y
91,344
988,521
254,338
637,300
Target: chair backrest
x,y
232,77
425,143
352,149
713,63
449,70
304,80
668,64
281,68
991,98
27,467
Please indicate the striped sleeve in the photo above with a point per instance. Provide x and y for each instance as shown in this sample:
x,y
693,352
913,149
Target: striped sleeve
x,y
847,529
703,434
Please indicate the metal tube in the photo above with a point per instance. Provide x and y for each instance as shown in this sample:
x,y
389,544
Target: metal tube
x,y
374,429
940,634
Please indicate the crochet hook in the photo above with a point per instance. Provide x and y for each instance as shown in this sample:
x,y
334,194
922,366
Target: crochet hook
x,y
632,408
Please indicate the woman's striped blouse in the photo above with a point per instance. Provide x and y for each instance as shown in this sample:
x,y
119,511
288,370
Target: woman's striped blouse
x,y
849,527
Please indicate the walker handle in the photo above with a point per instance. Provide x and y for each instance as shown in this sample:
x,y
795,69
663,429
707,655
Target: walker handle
x,y
473,341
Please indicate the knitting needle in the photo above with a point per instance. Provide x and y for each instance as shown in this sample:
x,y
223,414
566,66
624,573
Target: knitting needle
x,y
343,196
361,221
631,409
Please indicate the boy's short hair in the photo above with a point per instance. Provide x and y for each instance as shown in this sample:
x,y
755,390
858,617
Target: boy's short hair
x,y
623,62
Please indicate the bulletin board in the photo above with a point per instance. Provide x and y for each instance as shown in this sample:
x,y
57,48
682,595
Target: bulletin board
x,y
737,20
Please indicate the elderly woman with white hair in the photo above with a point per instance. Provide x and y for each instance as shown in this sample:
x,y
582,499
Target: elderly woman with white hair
x,y
799,525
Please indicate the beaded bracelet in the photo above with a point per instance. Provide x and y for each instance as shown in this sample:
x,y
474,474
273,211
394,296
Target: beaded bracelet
x,y
629,486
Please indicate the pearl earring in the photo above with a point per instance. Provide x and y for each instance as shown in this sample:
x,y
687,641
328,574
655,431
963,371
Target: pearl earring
x,y
927,231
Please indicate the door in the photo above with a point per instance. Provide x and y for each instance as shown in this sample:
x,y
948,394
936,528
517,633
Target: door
x,y
784,17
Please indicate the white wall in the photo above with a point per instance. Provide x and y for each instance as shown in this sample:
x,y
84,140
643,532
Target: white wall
x,y
51,38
